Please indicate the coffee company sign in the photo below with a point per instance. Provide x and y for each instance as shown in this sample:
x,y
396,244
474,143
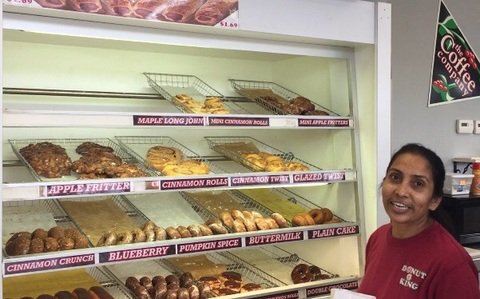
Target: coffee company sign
x,y
455,70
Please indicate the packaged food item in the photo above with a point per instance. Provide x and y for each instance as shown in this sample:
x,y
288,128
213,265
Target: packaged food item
x,y
475,186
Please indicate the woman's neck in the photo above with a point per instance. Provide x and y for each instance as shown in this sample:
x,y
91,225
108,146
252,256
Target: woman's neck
x,y
404,230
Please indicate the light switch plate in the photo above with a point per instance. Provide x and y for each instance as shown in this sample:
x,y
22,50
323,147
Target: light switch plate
x,y
464,126
476,127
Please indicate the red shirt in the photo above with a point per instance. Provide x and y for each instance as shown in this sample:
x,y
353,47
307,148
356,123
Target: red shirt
x,y
430,265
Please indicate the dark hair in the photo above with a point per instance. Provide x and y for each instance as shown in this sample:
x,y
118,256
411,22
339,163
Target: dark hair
x,y
438,172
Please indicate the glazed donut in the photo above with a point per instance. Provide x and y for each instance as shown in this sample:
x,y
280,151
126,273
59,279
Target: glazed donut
x,y
261,224
160,233
206,231
227,219
184,232
124,238
247,214
327,214
301,274
272,224
172,233
237,214
107,239
218,229
281,221
194,230
250,224
238,226
317,215
149,225
138,236
308,218
149,235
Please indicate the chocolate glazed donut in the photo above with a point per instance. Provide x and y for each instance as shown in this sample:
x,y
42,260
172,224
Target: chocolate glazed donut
x,y
81,293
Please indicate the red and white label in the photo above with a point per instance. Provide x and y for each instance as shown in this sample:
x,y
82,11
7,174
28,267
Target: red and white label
x,y
193,183
238,121
324,290
260,180
333,232
207,246
274,238
145,120
318,177
136,254
310,122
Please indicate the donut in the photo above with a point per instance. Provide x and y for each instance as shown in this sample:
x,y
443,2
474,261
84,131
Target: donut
x,y
327,214
233,285
66,243
99,292
218,229
172,233
261,224
159,280
149,225
227,219
141,292
81,241
249,287
186,280
250,224
194,292
51,244
171,294
272,224
45,296
149,235
280,220
159,291
238,226
230,275
160,233
301,274
247,214
39,233
296,166
172,279
211,281
237,214
184,232
81,293
124,238
316,272
182,293
194,230
206,231
132,282
256,214
107,239
147,283
299,220
317,215
308,218
71,233
138,236
63,295
36,245
56,232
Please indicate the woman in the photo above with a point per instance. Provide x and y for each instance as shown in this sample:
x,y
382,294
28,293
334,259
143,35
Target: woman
x,y
414,256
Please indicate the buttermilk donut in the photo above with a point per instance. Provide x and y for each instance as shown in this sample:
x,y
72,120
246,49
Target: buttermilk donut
x,y
124,238
261,224
272,224
250,224
107,239
301,274
317,215
281,221
138,236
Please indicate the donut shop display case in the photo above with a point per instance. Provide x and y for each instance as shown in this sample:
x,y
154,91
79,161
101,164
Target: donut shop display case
x,y
228,103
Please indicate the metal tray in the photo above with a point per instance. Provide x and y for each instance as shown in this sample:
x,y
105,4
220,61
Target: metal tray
x,y
70,145
215,143
255,90
170,85
274,254
138,146
59,217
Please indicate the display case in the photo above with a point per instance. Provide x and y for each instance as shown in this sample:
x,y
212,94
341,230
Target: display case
x,y
74,77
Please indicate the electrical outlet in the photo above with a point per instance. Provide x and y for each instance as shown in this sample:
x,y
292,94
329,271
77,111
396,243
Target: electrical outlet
x,y
464,126
476,127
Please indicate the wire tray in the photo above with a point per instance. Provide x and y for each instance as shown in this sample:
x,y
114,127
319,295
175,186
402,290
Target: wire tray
x,y
170,85
257,90
70,145
249,273
269,255
59,216
138,147
252,145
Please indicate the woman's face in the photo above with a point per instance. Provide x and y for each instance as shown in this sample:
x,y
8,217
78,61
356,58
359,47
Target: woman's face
x,y
407,193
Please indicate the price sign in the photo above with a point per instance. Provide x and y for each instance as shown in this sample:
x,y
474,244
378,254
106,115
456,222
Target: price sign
x,y
229,24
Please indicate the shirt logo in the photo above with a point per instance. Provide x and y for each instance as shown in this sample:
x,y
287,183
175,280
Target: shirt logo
x,y
413,277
